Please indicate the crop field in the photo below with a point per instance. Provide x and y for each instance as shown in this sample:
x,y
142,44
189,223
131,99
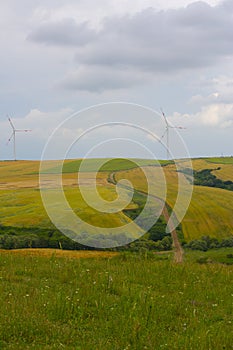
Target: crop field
x,y
225,165
210,210
128,301
209,213
24,208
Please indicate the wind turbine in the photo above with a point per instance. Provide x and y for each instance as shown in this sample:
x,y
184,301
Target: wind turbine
x,y
13,135
168,127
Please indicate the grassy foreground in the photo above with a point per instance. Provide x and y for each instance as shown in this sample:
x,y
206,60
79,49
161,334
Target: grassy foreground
x,y
124,302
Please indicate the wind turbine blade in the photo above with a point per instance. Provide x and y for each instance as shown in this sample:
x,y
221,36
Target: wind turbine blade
x,y
12,125
177,127
163,135
9,140
163,114
21,130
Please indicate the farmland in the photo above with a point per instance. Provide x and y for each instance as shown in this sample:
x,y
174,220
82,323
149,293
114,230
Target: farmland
x,y
209,213
84,300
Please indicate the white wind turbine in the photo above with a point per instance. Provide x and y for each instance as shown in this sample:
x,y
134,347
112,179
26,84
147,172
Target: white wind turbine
x,y
168,127
13,135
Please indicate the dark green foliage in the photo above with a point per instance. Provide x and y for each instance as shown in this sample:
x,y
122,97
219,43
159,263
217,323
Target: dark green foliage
x,y
164,244
206,243
206,178
156,238
18,237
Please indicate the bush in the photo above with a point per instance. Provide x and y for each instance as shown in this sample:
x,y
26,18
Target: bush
x,y
206,243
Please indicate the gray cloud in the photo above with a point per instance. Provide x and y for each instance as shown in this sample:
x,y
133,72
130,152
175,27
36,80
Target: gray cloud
x,y
100,78
151,57
150,34
167,41
66,32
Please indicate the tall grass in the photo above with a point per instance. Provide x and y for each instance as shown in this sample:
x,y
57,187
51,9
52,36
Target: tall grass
x,y
126,302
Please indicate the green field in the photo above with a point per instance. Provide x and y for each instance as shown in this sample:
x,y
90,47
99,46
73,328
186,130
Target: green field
x,y
117,164
221,160
130,301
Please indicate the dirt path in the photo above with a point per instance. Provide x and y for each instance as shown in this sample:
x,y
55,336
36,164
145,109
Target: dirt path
x,y
178,251
177,248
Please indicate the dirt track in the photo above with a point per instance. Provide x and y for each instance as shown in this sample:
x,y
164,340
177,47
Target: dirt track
x,y
178,251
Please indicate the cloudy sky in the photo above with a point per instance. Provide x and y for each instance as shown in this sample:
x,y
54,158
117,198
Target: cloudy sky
x,y
58,57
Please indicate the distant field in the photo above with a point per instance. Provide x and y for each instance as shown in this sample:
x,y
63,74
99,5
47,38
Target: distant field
x,y
110,165
24,208
209,213
220,160
21,203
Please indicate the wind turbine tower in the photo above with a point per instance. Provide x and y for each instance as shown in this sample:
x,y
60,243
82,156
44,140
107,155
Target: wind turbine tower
x,y
13,135
167,133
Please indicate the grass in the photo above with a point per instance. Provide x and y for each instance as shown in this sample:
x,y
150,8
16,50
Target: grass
x,y
220,160
222,256
126,302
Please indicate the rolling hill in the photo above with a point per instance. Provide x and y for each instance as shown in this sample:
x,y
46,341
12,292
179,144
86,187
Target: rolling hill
x,y
209,213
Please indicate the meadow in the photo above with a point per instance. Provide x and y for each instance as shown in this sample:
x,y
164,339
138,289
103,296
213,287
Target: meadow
x,y
127,301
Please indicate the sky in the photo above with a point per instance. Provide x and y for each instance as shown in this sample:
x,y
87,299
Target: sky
x,y
59,57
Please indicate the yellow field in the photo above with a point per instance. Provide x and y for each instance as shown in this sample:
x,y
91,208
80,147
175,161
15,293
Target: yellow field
x,y
21,203
225,173
58,253
209,213
210,210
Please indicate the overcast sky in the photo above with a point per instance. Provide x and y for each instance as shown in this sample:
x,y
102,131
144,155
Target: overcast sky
x,y
58,57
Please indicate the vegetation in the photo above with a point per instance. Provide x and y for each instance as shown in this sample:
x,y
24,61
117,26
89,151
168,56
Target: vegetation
x,y
221,255
207,243
206,178
132,301
136,299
